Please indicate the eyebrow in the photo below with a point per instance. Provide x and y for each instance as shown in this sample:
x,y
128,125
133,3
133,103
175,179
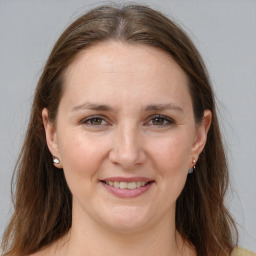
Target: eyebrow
x,y
92,106
102,107
159,107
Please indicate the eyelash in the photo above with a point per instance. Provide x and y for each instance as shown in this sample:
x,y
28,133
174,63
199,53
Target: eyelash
x,y
168,121
91,118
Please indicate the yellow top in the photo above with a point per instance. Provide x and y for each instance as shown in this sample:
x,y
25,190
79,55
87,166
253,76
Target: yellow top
x,y
242,252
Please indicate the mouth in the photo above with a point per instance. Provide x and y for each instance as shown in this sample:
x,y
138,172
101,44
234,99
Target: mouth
x,y
127,185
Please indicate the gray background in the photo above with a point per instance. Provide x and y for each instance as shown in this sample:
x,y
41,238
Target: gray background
x,y
224,32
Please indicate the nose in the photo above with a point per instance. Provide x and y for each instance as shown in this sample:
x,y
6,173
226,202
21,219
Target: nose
x,y
127,149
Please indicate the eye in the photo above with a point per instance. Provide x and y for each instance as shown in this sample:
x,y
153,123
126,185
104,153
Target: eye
x,y
94,121
160,120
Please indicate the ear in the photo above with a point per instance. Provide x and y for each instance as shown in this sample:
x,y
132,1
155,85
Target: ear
x,y
51,136
201,135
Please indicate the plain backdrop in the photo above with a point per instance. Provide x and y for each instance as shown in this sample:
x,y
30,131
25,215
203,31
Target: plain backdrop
x,y
224,32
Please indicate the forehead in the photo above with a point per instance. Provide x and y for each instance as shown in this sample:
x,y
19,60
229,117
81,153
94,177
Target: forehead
x,y
105,56
129,72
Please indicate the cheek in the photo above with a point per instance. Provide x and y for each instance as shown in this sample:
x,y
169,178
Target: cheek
x,y
81,157
173,164
172,154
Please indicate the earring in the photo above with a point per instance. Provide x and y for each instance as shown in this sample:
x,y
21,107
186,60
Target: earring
x,y
194,162
191,170
56,160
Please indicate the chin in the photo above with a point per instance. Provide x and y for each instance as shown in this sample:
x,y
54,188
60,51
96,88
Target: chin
x,y
127,219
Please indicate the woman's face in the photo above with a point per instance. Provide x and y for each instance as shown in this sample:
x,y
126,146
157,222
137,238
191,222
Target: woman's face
x,y
125,135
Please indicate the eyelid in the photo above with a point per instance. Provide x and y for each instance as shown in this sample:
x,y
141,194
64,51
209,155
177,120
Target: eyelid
x,y
104,118
165,118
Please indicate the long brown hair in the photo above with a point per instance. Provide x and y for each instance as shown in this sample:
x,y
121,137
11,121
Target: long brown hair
x,y
42,199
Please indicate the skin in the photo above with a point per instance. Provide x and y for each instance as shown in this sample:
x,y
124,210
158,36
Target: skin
x,y
127,140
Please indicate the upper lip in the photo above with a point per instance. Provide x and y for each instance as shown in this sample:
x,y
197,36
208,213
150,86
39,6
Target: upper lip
x,y
127,179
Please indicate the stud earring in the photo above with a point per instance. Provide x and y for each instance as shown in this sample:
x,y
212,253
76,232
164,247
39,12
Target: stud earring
x,y
191,170
56,160
194,162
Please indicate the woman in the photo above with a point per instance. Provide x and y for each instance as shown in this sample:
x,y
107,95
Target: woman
x,y
123,153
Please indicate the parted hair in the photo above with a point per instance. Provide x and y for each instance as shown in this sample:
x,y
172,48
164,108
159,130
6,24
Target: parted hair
x,y
42,200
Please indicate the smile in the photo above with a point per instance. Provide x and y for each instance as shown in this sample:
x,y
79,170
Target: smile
x,y
126,185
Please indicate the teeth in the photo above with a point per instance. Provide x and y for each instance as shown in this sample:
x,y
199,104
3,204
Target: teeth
x,y
131,185
123,185
126,185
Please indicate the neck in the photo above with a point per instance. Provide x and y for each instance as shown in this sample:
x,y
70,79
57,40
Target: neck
x,y
90,238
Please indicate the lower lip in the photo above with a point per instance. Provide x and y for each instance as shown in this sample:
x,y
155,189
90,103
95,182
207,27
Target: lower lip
x,y
128,193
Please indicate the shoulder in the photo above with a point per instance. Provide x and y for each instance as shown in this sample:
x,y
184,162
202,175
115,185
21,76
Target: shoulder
x,y
242,252
55,249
